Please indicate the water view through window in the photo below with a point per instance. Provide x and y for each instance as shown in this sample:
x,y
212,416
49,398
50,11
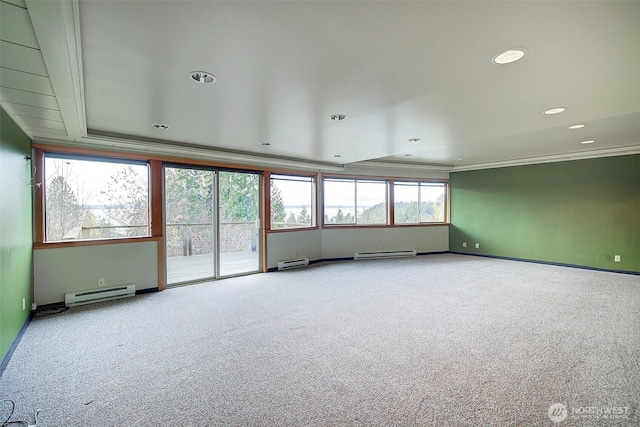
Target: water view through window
x,y
90,199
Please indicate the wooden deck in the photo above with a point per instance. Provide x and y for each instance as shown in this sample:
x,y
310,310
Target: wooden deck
x,y
197,267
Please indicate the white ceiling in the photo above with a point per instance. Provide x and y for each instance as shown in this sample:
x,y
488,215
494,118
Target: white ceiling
x,y
108,70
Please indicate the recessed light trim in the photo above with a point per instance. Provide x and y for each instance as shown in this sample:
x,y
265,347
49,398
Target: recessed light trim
x,y
408,155
337,155
556,110
576,127
509,56
265,144
337,117
203,77
160,126
414,139
591,141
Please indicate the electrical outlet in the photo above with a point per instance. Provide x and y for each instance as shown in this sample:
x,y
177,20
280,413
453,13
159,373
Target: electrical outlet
x,y
616,258
295,254
477,245
24,303
101,281
34,306
464,244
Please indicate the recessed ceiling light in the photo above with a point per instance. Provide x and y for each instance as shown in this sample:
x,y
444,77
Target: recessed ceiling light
x,y
414,139
266,143
337,117
160,126
337,155
591,141
557,110
576,127
408,155
509,56
203,77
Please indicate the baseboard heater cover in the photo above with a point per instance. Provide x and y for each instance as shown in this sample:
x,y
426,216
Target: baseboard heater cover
x,y
72,299
384,254
292,263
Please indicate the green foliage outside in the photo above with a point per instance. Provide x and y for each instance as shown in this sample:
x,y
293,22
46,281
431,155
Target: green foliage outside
x,y
189,196
375,214
340,218
412,213
279,217
189,201
278,211
64,212
70,216
239,197
127,197
188,211
190,207
405,213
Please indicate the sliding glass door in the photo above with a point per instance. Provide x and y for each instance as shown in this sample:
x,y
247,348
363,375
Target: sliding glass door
x,y
212,221
239,208
189,224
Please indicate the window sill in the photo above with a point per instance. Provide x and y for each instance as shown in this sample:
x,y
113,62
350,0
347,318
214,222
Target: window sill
x,y
96,242
338,226
287,230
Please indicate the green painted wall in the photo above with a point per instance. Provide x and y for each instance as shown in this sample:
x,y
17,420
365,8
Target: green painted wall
x,y
15,231
580,212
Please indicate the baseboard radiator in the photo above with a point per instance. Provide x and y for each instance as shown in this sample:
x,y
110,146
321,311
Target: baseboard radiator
x,y
292,263
384,254
97,295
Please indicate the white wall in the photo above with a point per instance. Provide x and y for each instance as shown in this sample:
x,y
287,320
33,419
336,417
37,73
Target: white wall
x,y
344,242
60,270
293,244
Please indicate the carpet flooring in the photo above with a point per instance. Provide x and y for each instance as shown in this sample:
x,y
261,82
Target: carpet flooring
x,y
438,340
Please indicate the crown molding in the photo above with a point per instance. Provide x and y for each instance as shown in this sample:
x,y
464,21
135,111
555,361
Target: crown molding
x,y
592,154
175,151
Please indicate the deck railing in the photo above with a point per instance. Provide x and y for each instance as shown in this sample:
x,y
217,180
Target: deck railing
x,y
186,238
105,231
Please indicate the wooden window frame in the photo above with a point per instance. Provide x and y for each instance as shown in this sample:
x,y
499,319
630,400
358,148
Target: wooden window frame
x,y
314,198
390,200
385,181
447,187
155,198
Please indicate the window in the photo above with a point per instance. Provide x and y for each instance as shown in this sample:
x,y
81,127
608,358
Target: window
x,y
419,202
95,198
355,201
291,201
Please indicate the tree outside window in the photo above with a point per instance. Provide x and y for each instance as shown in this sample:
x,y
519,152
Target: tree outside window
x,y
95,199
